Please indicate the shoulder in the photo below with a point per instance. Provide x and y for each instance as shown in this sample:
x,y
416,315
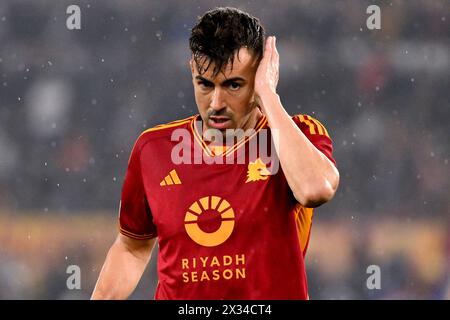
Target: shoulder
x,y
316,132
310,125
162,131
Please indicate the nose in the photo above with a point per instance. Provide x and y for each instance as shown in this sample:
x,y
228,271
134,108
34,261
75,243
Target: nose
x,y
217,99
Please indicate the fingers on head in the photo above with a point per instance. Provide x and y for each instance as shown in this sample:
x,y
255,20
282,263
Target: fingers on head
x,y
275,47
268,44
267,55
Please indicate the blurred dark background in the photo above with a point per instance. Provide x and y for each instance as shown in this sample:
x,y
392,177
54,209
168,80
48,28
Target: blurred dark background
x,y
72,103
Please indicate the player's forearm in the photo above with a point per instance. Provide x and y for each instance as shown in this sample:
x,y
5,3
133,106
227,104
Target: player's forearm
x,y
120,274
310,174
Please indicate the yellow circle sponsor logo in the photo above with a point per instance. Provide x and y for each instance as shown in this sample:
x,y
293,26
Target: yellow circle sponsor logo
x,y
193,216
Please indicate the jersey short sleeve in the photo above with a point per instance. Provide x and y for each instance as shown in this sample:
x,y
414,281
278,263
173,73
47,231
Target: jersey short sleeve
x,y
316,133
135,217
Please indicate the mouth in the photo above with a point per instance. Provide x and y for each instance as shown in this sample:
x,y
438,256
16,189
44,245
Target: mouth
x,y
219,122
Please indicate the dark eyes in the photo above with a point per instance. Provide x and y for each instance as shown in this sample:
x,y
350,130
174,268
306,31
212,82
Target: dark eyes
x,y
234,86
205,84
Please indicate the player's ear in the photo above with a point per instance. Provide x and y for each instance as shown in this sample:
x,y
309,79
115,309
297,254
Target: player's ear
x,y
253,101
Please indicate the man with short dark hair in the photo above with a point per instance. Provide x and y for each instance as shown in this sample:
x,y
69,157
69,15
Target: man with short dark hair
x,y
230,223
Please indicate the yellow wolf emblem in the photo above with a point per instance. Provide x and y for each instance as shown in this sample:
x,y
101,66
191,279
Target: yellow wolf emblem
x,y
257,171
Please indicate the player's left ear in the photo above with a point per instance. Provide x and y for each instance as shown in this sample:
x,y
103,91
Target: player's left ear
x,y
253,101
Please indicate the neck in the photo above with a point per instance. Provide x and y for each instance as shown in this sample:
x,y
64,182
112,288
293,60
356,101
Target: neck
x,y
252,119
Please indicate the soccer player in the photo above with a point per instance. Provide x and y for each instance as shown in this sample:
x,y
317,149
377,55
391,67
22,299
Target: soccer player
x,y
229,224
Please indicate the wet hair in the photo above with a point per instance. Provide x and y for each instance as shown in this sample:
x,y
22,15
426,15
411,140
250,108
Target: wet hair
x,y
220,33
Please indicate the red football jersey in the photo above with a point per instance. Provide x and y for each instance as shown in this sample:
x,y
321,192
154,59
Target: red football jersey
x,y
225,230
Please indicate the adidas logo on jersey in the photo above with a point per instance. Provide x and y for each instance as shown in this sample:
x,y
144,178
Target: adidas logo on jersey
x,y
171,178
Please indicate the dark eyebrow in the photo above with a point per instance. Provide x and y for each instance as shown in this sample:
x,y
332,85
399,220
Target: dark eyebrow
x,y
203,79
235,79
